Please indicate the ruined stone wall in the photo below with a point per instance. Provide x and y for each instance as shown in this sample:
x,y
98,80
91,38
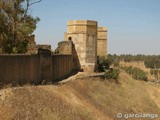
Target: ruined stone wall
x,y
31,39
43,46
102,42
64,48
33,47
83,33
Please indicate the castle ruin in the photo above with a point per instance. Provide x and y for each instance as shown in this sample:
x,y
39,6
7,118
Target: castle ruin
x,y
83,42
33,47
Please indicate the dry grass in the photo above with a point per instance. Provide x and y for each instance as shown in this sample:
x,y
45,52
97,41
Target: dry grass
x,y
154,91
84,99
139,64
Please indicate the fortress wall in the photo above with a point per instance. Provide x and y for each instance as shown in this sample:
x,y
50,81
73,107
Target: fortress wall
x,y
20,69
45,65
40,68
62,66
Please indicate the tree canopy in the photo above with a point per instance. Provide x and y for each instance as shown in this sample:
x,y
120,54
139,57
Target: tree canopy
x,y
15,25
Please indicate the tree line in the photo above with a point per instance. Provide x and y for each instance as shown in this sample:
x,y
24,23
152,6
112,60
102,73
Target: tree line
x,y
150,61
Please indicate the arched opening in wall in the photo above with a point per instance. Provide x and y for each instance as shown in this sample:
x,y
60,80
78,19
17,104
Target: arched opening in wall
x,y
70,38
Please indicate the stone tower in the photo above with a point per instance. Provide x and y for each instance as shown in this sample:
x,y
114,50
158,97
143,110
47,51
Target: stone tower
x,y
102,42
83,34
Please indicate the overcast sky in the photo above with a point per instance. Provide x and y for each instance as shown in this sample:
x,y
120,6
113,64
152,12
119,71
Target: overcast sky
x,y
133,25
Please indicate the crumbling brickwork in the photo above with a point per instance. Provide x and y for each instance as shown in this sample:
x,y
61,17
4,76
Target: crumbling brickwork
x,y
33,47
64,48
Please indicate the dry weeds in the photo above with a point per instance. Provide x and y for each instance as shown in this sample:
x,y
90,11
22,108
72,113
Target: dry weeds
x,y
82,99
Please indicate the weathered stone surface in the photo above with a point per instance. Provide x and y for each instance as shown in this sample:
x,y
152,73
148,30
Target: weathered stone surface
x,y
102,42
31,39
82,27
31,45
89,41
46,47
64,48
83,34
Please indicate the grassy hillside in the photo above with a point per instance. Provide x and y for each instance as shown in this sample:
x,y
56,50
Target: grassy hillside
x,y
82,99
138,64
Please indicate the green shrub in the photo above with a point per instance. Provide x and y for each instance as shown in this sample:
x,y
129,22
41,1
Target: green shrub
x,y
103,64
153,62
112,74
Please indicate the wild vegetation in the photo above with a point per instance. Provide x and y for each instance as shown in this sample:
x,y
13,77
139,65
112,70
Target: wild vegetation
x,y
15,25
136,73
155,73
110,66
150,66
104,65
112,74
152,62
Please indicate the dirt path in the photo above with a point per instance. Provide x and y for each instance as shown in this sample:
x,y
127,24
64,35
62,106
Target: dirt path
x,y
81,75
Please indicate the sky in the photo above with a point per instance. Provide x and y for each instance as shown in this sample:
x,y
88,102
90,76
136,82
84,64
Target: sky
x,y
133,25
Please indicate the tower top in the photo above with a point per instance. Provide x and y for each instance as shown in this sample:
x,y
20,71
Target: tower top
x,y
102,29
82,23
82,27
